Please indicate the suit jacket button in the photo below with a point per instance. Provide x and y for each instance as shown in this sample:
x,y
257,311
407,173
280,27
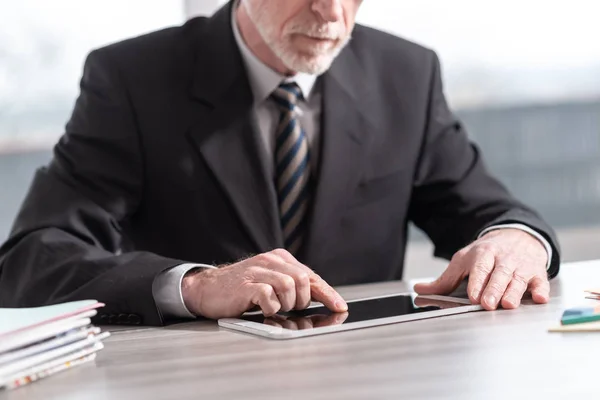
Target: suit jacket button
x,y
112,319
104,318
123,319
135,319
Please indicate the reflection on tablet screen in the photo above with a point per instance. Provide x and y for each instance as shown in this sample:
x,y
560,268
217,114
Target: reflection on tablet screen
x,y
357,311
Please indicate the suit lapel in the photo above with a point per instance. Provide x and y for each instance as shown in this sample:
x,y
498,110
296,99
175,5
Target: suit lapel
x,y
345,138
226,134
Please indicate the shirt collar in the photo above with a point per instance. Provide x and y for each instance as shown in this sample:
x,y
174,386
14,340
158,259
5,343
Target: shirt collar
x,y
264,80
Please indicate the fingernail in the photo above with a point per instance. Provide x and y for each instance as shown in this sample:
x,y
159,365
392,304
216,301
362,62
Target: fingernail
x,y
475,294
490,300
542,297
510,301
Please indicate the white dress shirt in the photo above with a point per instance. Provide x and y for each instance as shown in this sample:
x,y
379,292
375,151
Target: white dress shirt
x,y
263,81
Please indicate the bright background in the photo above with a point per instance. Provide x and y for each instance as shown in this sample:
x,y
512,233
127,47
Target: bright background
x,y
523,75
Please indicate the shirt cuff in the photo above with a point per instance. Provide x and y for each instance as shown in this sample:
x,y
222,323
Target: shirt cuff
x,y
527,229
166,291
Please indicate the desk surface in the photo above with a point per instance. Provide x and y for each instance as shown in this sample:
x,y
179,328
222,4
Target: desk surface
x,y
485,355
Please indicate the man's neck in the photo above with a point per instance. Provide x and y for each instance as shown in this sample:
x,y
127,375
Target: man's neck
x,y
256,44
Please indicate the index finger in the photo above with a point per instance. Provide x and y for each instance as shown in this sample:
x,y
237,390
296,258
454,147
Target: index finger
x,y
323,293
319,289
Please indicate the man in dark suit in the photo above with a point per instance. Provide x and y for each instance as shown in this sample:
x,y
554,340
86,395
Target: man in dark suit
x,y
264,130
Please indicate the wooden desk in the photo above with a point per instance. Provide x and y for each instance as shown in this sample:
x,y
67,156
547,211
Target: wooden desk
x,y
486,355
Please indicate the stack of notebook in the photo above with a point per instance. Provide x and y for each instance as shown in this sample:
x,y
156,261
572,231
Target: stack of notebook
x,y
39,342
581,319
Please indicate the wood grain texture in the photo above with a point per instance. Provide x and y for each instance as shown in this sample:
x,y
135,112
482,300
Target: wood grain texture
x,y
485,355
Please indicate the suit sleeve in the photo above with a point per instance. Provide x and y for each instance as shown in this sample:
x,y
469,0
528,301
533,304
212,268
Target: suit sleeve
x,y
66,242
454,196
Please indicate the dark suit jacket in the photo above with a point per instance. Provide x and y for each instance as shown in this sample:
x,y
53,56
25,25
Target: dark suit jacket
x,y
160,165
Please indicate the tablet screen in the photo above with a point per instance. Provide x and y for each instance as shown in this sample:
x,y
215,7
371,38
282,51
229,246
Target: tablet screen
x,y
358,311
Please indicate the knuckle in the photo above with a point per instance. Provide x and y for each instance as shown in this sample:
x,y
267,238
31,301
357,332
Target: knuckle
x,y
251,274
302,278
512,292
477,285
503,270
485,248
263,259
253,270
283,253
481,269
266,291
520,279
287,283
495,287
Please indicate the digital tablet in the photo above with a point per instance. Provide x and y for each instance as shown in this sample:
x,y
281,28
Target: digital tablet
x,y
364,313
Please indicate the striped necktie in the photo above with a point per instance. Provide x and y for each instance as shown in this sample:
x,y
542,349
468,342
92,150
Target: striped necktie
x,y
292,161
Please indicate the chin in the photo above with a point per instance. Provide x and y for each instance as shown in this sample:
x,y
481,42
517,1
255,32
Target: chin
x,y
312,60
311,65
316,50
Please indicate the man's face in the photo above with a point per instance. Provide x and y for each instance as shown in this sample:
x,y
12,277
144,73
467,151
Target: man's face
x,y
306,35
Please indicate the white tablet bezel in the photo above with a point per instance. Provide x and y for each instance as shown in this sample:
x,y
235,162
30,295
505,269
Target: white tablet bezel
x,y
273,332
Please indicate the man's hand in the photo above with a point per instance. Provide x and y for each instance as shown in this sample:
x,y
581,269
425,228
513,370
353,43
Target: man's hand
x,y
501,266
273,281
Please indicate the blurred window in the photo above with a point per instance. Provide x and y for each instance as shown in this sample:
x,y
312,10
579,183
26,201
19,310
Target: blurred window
x,y
524,76
42,48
